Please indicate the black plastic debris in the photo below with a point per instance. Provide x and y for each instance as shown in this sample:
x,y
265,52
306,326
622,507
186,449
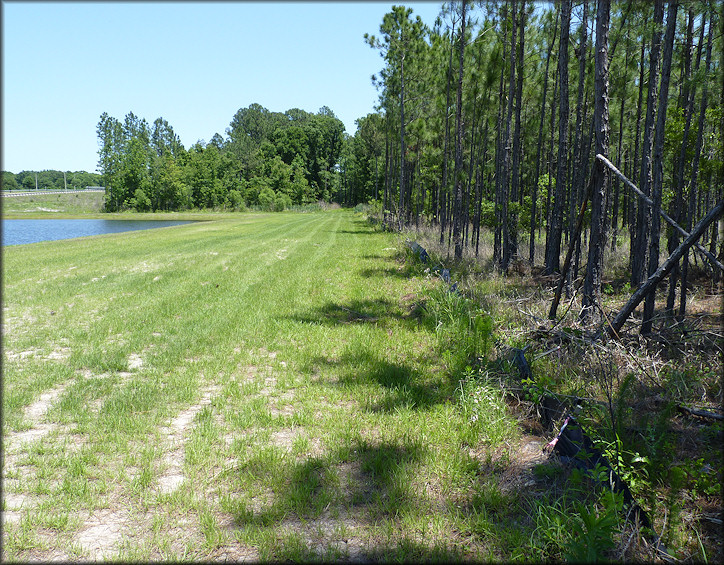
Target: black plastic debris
x,y
419,251
573,446
521,362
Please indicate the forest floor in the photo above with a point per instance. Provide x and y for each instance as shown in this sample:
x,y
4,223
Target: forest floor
x,y
270,387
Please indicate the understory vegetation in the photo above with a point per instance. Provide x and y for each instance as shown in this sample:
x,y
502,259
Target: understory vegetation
x,y
632,396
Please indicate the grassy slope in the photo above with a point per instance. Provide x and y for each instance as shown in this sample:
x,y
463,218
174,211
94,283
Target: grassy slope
x,y
320,420
38,205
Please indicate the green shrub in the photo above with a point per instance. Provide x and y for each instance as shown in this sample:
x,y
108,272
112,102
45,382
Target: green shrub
x,y
266,199
235,200
282,202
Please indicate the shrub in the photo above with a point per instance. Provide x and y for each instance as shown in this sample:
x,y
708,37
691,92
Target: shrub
x,y
140,201
235,200
282,202
266,199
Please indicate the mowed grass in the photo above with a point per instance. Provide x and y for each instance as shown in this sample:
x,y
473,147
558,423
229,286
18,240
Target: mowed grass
x,y
259,387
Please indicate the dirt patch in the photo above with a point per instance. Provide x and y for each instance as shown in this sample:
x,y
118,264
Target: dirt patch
x,y
516,462
176,436
34,413
100,535
135,362
285,438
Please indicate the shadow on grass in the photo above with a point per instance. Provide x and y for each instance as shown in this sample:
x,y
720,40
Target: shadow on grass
x,y
355,311
359,227
384,272
337,502
402,386
356,484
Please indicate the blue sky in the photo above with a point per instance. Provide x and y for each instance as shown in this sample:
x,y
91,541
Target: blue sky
x,y
193,63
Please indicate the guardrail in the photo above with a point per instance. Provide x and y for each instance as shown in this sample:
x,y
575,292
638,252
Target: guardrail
x,y
34,192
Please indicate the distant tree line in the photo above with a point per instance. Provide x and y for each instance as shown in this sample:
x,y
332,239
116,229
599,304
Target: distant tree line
x,y
272,160
49,180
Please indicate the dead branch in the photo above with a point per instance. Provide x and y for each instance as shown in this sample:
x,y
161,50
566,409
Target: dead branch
x,y
700,413
664,215
650,285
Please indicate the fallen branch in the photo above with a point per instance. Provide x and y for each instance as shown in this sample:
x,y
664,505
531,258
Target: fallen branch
x,y
615,326
664,215
700,413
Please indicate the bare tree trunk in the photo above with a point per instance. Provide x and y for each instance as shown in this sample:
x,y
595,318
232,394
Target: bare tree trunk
x,y
549,167
531,250
638,263
388,168
553,242
658,164
695,171
619,158
678,202
506,175
577,178
401,212
517,150
597,242
457,212
443,189
499,182
633,214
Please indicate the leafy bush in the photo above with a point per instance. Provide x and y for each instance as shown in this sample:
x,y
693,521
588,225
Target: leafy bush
x,y
140,202
266,199
235,200
282,202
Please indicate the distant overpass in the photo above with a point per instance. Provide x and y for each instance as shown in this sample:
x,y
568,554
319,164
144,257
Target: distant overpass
x,y
50,191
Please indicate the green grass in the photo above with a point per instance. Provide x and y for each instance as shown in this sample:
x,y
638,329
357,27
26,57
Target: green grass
x,y
283,387
332,426
81,203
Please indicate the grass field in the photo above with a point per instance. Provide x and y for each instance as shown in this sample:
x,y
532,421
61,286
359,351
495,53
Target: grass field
x,y
252,388
275,387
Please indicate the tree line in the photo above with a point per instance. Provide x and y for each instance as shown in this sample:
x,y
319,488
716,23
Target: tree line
x,y
492,118
49,180
268,159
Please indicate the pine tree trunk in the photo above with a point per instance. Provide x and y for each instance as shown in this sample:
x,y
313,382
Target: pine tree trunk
x,y
507,149
695,173
634,205
553,241
549,167
678,203
499,184
617,183
443,188
576,188
457,212
643,220
402,204
515,192
597,241
658,165
534,203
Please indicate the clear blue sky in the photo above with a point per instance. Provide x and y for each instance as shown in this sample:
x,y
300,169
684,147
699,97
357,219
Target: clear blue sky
x,y
193,63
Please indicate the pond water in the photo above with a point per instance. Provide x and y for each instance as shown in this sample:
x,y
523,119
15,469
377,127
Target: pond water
x,y
20,232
